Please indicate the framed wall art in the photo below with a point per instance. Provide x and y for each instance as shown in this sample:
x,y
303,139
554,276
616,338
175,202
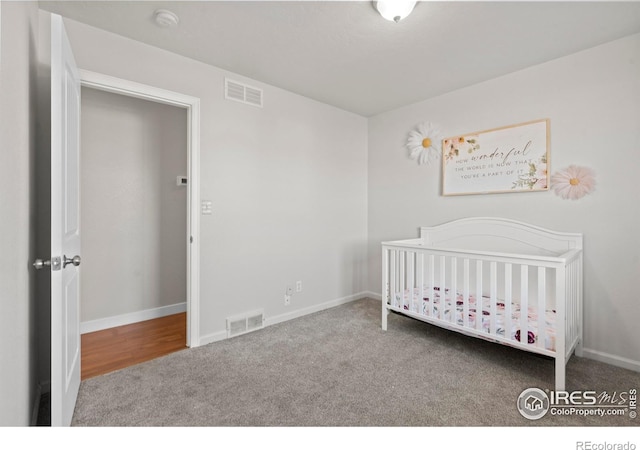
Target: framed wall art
x,y
514,158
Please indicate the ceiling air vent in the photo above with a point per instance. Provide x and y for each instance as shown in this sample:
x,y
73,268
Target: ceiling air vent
x,y
240,92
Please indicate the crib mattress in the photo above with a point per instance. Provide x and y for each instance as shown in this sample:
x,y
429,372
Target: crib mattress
x,y
424,308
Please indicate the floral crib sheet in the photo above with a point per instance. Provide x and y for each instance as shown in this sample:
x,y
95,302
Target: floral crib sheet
x,y
424,308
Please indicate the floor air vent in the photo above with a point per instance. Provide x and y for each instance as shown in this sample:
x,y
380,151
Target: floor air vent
x,y
240,92
245,323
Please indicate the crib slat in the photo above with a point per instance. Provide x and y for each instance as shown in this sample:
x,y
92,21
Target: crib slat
x,y
494,295
524,303
386,293
479,299
571,303
542,308
508,299
561,292
420,271
574,299
432,262
410,279
385,275
465,294
443,288
453,290
393,279
403,284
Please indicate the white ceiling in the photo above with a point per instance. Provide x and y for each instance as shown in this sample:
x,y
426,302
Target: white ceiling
x,y
343,53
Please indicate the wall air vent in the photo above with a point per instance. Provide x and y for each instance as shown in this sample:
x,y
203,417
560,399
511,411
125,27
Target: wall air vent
x,y
245,323
240,92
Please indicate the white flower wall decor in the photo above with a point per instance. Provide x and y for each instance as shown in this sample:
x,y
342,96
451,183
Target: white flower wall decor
x,y
573,182
424,143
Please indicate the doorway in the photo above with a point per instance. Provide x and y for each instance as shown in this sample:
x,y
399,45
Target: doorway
x,y
134,220
191,105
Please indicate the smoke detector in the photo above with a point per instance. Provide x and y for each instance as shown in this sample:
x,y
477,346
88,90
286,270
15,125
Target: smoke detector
x,y
165,18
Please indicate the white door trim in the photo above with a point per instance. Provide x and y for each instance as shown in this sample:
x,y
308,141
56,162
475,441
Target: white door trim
x,y
192,105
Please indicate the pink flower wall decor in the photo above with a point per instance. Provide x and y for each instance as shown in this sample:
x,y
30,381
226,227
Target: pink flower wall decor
x,y
574,182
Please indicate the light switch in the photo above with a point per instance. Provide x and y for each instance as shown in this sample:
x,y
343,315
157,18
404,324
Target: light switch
x,y
207,208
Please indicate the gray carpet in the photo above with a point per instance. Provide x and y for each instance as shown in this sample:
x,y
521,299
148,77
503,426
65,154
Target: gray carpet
x,y
338,368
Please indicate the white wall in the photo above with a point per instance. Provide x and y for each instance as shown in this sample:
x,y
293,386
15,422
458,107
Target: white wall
x,y
288,184
18,348
592,99
133,215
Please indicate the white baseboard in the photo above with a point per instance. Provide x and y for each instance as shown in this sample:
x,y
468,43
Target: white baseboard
x,y
221,335
214,337
373,295
312,309
614,360
126,319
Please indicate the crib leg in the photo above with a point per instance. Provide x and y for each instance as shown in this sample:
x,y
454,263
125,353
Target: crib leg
x,y
560,374
385,313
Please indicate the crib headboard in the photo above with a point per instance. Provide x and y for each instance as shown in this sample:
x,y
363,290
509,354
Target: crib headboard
x,y
499,234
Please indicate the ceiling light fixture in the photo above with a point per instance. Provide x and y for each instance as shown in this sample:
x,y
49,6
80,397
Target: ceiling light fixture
x,y
166,18
394,10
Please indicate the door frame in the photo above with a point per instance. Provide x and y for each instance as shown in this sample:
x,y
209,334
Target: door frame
x,y
192,105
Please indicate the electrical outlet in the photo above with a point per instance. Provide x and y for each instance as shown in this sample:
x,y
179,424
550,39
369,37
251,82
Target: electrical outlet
x,y
287,296
298,286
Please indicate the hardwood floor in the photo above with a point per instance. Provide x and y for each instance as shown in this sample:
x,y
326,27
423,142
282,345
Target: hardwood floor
x,y
116,348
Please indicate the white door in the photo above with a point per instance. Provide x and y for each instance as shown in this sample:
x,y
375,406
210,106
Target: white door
x,y
65,227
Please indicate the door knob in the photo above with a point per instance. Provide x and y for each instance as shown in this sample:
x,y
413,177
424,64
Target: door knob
x,y
40,264
75,261
54,263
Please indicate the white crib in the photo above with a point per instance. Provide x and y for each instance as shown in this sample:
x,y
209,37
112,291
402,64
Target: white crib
x,y
492,278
